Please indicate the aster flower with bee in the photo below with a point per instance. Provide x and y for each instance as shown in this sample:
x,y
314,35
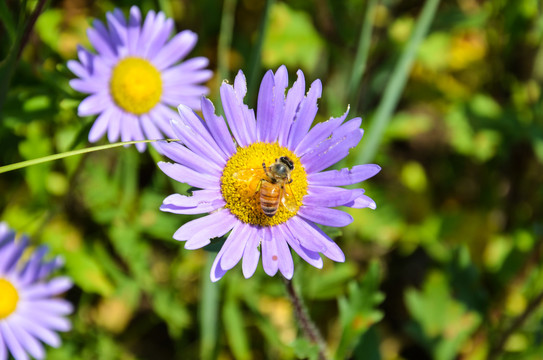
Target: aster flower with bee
x,y
264,180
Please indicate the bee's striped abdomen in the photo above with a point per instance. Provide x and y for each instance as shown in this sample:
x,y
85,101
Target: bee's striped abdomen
x,y
269,198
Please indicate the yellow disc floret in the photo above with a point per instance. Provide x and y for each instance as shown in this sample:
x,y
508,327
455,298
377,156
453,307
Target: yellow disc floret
x,y
8,298
136,85
242,178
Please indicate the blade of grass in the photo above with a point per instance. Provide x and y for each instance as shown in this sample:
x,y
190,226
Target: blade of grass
x,y
362,52
66,154
209,313
7,66
225,40
254,64
396,84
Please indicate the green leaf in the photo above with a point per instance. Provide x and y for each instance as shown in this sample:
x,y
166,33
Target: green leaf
x,y
358,312
171,309
304,349
293,41
235,331
446,324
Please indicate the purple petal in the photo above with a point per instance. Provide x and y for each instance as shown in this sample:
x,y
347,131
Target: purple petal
x,y
281,83
265,107
29,342
149,129
270,107
292,104
251,254
175,76
307,234
52,306
319,133
3,348
176,49
78,69
217,127
164,29
134,22
181,155
334,149
240,85
230,253
194,134
54,287
361,202
53,322
237,240
161,115
12,342
32,268
333,252
286,265
325,216
87,86
303,234
270,257
240,118
191,101
184,174
344,177
94,104
10,255
114,128
190,65
199,232
38,330
100,125
311,257
99,38
201,201
148,31
328,196
305,115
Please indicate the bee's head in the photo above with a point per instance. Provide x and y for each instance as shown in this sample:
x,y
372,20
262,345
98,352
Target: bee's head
x,y
286,160
282,167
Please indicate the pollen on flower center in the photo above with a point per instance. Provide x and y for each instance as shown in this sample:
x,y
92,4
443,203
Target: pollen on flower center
x,y
136,85
9,298
242,178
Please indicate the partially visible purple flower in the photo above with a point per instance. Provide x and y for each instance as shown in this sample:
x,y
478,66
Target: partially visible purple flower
x,y
30,312
135,76
229,170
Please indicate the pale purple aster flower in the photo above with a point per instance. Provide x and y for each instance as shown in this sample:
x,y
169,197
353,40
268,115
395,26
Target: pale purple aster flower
x,y
136,75
228,168
30,312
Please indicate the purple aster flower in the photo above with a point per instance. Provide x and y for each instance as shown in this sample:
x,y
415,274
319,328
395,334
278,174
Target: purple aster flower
x,y
29,310
265,183
136,75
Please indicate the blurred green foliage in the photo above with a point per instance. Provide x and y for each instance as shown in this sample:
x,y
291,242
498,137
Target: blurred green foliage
x,y
443,269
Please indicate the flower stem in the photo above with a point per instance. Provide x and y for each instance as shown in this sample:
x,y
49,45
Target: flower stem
x,y
304,320
496,351
254,63
66,154
361,58
396,84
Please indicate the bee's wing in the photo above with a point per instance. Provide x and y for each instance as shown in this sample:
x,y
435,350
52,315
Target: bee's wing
x,y
288,199
251,177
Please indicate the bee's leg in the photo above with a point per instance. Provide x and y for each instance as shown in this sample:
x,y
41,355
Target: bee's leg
x,y
290,181
266,169
258,187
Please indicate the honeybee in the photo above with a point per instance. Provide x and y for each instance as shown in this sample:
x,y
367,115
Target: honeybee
x,y
271,185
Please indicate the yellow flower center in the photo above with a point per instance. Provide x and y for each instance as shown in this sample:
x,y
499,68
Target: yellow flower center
x,y
136,85
8,298
244,180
